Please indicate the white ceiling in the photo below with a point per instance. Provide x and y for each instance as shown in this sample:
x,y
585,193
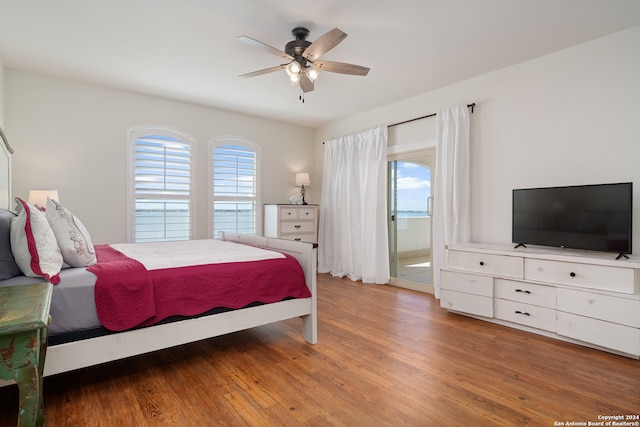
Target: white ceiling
x,y
187,49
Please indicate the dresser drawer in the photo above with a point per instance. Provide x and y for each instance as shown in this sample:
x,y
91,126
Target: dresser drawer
x,y
499,265
610,335
525,314
297,227
306,213
466,303
613,309
602,277
468,283
528,293
289,213
300,237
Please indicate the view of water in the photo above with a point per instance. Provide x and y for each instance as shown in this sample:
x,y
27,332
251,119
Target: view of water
x,y
412,214
153,225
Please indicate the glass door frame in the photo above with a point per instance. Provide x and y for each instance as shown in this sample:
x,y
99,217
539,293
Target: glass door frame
x,y
392,200
413,156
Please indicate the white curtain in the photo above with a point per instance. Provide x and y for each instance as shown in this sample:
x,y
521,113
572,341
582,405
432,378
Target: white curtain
x,y
452,192
352,239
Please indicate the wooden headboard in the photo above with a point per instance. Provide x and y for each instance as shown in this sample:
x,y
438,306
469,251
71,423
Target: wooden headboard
x,y
5,171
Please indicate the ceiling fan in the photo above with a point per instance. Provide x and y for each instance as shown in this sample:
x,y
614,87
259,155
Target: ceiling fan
x,y
303,56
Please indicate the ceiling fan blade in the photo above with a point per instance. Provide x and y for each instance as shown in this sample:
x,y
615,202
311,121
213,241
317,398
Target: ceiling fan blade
x,y
324,44
272,50
306,84
341,67
264,71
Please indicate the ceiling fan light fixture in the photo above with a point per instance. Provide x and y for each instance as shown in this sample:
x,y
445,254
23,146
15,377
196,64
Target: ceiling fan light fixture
x,y
293,69
295,78
313,74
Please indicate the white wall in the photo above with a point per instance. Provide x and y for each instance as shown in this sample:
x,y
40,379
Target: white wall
x,y
5,166
1,93
414,234
566,118
72,136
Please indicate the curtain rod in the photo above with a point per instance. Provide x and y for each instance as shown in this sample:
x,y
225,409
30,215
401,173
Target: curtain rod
x,y
472,105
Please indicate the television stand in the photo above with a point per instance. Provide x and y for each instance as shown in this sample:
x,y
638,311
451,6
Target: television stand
x,y
621,255
584,298
520,245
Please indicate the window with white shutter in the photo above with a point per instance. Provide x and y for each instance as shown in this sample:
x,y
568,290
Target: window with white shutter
x,y
161,185
234,187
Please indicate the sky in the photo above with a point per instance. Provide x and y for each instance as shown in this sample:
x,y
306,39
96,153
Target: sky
x,y
414,186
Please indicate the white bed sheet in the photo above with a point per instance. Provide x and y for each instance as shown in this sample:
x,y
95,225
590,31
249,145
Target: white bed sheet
x,y
157,255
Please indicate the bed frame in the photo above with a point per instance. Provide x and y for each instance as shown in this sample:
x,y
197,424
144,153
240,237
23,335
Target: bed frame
x,y
5,171
94,351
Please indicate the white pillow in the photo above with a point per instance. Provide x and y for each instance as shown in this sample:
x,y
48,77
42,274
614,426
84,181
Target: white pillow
x,y
34,245
72,236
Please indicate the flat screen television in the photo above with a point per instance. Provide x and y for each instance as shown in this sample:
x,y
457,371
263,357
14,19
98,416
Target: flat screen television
x,y
589,217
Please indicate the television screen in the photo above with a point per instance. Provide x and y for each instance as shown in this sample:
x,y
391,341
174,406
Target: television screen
x,y
589,217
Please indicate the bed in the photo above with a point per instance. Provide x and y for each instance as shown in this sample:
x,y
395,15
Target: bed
x,y
70,350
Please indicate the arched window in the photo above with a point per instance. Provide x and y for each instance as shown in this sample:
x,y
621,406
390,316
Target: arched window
x,y
161,190
234,190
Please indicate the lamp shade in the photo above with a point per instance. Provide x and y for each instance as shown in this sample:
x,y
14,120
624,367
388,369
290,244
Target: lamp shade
x,y
39,197
302,178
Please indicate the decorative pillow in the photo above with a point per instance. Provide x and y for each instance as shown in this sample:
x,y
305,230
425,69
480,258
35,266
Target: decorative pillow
x,y
8,266
34,245
72,236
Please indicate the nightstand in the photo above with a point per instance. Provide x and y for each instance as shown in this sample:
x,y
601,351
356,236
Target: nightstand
x,y
24,314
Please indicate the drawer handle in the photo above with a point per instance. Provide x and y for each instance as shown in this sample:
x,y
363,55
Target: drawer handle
x,y
297,238
522,312
288,213
481,262
520,290
297,226
572,274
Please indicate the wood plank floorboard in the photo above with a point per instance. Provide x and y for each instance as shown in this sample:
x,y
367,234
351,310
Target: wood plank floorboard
x,y
386,357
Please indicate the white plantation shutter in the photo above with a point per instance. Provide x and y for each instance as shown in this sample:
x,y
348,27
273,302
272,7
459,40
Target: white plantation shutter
x,y
235,189
162,188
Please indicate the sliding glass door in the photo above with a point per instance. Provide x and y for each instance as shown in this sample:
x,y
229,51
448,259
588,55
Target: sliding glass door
x,y
410,202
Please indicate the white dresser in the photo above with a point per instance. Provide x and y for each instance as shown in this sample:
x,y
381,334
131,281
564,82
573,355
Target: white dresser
x,y
586,298
291,222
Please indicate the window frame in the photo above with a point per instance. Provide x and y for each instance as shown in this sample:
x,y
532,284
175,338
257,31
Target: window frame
x,y
145,130
250,145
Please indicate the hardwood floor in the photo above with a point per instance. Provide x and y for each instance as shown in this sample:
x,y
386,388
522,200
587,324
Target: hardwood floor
x,y
386,357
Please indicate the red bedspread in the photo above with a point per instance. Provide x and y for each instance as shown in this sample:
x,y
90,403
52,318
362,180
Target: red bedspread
x,y
128,295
